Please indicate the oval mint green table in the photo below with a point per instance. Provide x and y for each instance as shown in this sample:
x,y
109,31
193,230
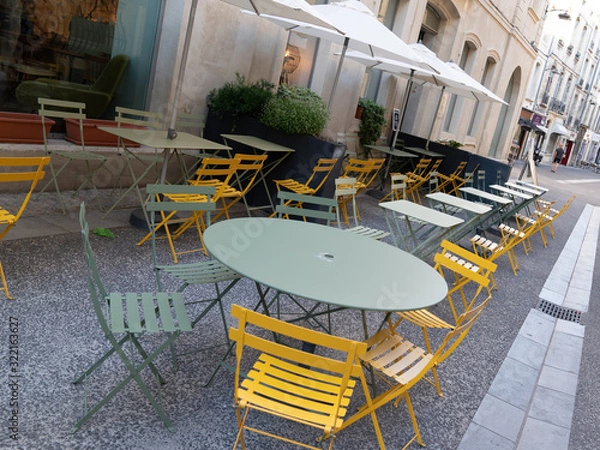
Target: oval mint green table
x,y
325,264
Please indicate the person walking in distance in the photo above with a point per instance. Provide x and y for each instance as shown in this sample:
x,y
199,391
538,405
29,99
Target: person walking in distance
x,y
557,158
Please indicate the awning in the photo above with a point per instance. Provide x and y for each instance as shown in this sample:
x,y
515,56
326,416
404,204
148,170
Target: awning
x,y
532,126
557,128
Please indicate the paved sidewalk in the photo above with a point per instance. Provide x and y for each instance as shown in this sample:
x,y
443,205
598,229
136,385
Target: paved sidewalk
x,y
531,401
510,385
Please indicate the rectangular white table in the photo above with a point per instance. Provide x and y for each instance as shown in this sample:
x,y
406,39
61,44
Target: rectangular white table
x,y
531,185
438,224
523,188
476,213
521,199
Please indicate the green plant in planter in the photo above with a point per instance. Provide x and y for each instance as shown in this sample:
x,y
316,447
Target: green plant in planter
x,y
240,98
450,143
296,110
372,121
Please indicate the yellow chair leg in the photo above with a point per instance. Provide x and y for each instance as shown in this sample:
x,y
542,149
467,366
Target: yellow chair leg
x,y
4,285
413,419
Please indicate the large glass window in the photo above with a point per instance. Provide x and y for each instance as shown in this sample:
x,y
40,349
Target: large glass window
x,y
73,40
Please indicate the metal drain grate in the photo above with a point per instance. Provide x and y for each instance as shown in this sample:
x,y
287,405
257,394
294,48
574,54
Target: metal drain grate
x,y
560,312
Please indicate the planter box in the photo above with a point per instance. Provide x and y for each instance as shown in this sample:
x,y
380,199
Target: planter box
x,y
94,136
19,128
297,165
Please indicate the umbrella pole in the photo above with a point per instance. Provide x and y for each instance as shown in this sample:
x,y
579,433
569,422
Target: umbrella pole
x,y
405,98
338,71
434,118
171,133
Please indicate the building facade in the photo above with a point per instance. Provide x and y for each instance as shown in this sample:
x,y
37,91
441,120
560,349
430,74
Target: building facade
x,y
562,98
489,39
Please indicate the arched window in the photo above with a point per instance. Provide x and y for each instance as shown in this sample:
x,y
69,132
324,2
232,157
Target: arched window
x,y
488,74
430,26
454,105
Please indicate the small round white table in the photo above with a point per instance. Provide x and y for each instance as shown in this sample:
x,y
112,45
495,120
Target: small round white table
x,y
325,264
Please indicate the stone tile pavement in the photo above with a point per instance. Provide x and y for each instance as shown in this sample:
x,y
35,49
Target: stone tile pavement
x,y
531,401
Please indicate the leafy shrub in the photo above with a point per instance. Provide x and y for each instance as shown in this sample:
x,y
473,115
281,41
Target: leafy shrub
x,y
372,121
240,98
296,110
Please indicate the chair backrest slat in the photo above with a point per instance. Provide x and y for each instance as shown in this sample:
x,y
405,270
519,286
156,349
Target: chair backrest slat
x,y
244,336
61,109
138,117
318,208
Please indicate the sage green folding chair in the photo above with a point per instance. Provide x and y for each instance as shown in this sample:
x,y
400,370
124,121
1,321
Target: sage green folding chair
x,y
160,207
135,118
93,162
124,319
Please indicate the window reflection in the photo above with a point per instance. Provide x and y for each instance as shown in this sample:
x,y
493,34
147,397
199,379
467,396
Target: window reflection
x,y
68,40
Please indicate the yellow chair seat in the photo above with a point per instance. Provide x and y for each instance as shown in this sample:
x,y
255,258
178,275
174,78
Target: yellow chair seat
x,y
299,394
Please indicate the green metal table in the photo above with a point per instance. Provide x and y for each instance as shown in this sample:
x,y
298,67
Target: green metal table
x,y
439,224
264,147
425,152
320,263
390,154
157,139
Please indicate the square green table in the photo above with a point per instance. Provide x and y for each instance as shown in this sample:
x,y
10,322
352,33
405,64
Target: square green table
x,y
157,139
424,152
390,154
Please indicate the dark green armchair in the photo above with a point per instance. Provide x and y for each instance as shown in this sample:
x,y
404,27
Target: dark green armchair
x,y
96,96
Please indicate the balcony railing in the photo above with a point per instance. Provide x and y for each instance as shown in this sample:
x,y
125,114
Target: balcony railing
x,y
557,106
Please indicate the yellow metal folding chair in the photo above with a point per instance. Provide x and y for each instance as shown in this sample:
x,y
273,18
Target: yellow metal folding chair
x,y
315,181
402,364
93,162
510,238
247,170
364,172
469,271
419,176
27,170
288,383
554,214
448,182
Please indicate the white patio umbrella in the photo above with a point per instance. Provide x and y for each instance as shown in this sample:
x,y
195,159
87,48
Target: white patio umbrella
x,y
360,30
292,9
450,77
